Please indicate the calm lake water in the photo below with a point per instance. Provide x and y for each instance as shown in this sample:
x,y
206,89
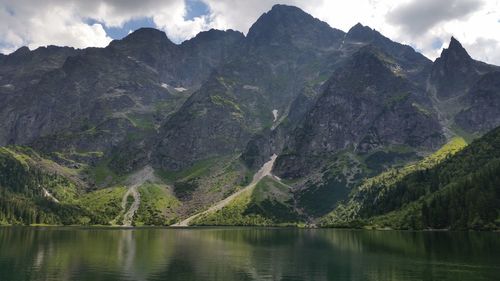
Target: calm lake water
x,y
245,254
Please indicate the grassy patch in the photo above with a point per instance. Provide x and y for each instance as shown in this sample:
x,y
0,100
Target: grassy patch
x,y
142,121
157,206
225,102
104,203
269,203
395,174
103,175
197,170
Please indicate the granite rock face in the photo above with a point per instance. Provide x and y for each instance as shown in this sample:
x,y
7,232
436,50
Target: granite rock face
x,y
365,106
283,51
334,106
92,99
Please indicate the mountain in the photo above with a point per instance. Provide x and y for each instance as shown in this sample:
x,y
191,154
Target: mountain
x,y
366,117
456,84
459,192
278,127
97,98
283,51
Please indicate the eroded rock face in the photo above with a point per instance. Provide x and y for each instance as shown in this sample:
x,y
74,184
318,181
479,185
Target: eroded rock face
x,y
69,97
364,107
453,72
333,106
483,100
465,90
285,49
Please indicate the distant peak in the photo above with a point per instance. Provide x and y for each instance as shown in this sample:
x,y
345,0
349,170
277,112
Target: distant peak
x,y
362,33
147,34
148,31
357,26
454,43
282,7
285,11
284,19
216,33
21,51
455,49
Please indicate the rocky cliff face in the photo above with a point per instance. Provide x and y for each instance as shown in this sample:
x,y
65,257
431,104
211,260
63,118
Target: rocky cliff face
x,y
284,50
334,106
365,106
459,85
453,72
483,104
94,99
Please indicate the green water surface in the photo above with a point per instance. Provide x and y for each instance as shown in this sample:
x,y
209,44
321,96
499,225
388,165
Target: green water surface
x,y
29,253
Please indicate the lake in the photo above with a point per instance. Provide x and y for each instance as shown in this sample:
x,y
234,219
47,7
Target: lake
x,y
52,253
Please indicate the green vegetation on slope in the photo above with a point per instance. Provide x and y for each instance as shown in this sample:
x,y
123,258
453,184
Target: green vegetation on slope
x,y
157,206
33,190
453,192
104,203
269,203
27,191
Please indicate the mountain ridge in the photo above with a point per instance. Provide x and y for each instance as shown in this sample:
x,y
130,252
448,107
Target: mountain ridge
x,y
204,115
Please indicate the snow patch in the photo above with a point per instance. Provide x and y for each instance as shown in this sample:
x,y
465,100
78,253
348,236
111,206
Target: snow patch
x,y
8,86
396,69
180,89
164,85
251,87
47,194
275,115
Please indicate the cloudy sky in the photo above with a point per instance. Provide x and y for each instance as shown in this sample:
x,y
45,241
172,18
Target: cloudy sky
x,y
424,24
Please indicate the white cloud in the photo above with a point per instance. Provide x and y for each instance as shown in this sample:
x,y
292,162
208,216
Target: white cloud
x,y
416,17
420,23
65,22
34,25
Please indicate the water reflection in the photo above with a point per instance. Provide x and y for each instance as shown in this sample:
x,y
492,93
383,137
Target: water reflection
x,y
245,254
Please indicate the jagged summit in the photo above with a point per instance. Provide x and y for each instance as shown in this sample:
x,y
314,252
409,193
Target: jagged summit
x,y
146,35
453,70
358,29
279,17
363,33
215,34
21,51
285,24
282,8
455,51
334,107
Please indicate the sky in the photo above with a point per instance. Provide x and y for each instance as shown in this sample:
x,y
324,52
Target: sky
x,y
426,25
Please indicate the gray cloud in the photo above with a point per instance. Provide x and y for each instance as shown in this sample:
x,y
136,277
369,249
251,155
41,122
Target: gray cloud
x,y
418,16
425,24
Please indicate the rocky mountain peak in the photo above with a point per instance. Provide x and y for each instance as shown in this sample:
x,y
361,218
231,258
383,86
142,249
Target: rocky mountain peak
x,y
366,34
145,35
360,32
369,61
453,70
290,24
455,51
21,51
286,10
214,35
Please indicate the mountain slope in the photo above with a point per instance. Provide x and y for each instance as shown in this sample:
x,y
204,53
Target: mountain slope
x,y
458,193
367,117
155,132
280,54
464,92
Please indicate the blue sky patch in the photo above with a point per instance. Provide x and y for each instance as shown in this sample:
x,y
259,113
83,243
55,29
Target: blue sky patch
x,y
10,11
437,43
120,32
195,8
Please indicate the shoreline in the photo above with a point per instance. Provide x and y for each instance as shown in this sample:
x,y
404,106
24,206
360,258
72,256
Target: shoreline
x,y
119,227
